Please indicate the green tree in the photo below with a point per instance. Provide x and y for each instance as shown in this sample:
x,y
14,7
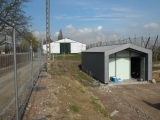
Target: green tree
x,y
60,35
24,46
29,36
35,42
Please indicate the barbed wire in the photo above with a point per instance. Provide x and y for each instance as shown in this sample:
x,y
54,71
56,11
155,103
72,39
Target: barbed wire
x,y
146,42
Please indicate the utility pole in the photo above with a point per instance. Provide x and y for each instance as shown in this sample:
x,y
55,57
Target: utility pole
x,y
48,34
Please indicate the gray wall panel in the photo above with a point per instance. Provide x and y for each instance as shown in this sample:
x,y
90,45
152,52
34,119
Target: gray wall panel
x,y
148,66
106,80
94,63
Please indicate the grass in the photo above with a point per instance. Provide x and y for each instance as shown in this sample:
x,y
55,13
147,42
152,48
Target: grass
x,y
67,87
74,108
71,64
68,57
84,76
55,93
156,68
49,116
82,91
99,107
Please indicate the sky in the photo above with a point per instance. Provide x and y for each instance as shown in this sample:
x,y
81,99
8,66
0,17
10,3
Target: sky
x,y
91,21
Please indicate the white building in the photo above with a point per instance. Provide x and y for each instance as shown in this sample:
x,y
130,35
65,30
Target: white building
x,y
66,46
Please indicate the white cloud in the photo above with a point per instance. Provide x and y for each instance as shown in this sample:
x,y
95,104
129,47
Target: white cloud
x,y
120,9
86,30
99,28
56,34
69,26
134,25
113,37
96,8
85,35
132,16
151,25
60,17
73,30
94,35
101,37
109,15
40,34
66,17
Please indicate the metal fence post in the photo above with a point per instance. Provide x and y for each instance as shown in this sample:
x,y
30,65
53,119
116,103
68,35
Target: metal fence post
x,y
31,47
15,74
39,59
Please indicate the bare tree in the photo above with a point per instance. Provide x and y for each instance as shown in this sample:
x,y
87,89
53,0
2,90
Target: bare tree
x,y
156,53
12,12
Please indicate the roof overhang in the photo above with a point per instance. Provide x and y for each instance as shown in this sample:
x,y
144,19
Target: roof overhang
x,y
129,47
116,48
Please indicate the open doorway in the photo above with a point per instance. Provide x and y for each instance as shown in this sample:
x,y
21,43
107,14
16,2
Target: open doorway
x,y
135,67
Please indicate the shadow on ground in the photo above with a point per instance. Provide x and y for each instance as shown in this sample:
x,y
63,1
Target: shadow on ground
x,y
157,105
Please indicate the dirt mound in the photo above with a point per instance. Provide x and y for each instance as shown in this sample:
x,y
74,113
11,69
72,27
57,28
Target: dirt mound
x,y
65,97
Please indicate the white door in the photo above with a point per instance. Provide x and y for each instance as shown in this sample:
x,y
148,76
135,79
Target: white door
x,y
123,68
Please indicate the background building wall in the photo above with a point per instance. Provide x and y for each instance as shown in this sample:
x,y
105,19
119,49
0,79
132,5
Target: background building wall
x,y
55,47
75,47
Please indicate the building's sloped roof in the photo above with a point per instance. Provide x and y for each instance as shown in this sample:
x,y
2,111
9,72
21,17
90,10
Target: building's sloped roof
x,y
117,48
102,48
65,40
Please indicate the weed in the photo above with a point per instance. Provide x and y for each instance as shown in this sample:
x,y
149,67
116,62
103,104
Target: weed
x,y
83,76
47,103
99,107
64,111
67,87
156,67
49,116
82,91
51,72
55,93
74,108
93,98
83,101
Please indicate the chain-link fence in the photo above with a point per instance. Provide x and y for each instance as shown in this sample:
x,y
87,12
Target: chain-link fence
x,y
21,61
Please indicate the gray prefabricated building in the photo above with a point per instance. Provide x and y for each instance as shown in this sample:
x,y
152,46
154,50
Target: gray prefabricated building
x,y
119,61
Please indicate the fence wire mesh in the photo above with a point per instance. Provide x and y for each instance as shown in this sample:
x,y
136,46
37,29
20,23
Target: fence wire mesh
x,y
7,91
30,59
